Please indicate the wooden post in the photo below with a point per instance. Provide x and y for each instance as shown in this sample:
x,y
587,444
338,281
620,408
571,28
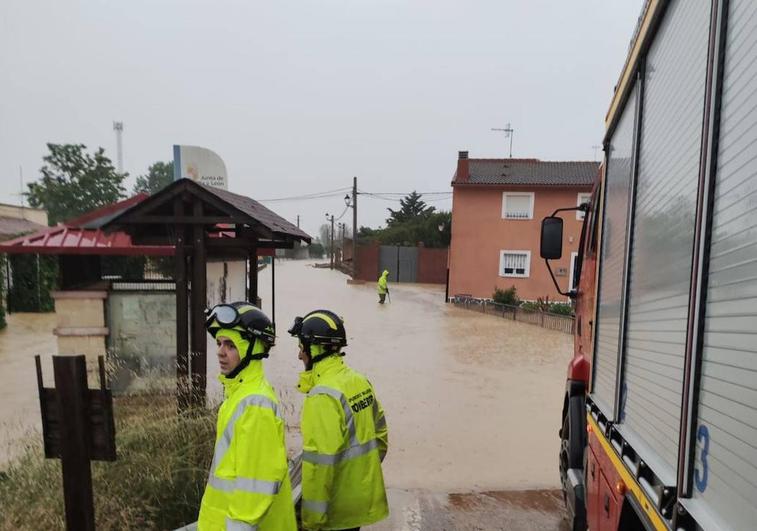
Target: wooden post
x,y
182,315
273,289
198,361
71,384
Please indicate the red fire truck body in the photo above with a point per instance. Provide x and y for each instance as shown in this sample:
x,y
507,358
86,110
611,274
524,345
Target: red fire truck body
x,y
659,425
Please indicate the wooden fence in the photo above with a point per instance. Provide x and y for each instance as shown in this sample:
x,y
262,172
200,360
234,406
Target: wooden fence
x,y
552,321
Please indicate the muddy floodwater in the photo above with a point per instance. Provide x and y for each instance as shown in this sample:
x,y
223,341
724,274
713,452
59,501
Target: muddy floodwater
x,y
472,401
26,335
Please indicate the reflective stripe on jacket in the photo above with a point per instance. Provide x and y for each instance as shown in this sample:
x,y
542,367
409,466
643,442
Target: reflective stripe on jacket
x,y
248,486
345,438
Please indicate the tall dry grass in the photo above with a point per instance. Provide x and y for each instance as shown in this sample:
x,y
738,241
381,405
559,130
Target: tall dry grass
x,y
156,483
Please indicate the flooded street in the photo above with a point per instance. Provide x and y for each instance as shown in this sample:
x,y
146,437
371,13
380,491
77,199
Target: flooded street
x,y
26,335
472,401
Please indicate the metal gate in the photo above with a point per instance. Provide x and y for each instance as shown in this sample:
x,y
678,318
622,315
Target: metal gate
x,y
401,262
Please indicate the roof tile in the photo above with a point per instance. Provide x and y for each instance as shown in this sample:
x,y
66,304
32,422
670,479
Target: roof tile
x,y
531,172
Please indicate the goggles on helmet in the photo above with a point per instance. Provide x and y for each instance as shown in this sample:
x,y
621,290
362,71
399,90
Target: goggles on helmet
x,y
224,314
309,337
296,327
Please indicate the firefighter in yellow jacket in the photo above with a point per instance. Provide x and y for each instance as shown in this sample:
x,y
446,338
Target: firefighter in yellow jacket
x,y
381,288
344,433
248,487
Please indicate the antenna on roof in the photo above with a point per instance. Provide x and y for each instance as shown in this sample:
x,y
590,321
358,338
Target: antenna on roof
x,y
118,127
21,183
509,133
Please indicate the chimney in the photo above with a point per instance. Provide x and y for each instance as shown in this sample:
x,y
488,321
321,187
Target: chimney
x,y
462,173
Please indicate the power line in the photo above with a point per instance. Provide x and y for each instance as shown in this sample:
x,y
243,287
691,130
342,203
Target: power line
x,y
406,193
387,196
314,195
342,214
447,196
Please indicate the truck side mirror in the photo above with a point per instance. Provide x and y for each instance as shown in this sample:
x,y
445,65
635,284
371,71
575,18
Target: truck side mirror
x,y
551,238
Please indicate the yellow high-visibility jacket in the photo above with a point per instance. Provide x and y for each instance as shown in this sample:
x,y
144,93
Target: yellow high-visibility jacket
x,y
345,439
381,287
248,487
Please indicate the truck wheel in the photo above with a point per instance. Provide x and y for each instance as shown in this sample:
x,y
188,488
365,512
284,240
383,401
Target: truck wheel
x,y
573,435
572,446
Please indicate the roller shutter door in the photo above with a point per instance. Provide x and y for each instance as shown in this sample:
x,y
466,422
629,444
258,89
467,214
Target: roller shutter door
x,y
725,478
614,229
663,232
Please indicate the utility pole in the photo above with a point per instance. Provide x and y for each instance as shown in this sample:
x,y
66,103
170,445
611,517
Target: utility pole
x,y
509,133
118,127
344,235
331,247
354,227
21,183
351,202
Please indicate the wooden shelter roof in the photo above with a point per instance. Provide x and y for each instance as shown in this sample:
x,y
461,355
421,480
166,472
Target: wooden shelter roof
x,y
223,213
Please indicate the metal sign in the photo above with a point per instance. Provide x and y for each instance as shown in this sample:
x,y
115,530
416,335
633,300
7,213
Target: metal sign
x,y
199,164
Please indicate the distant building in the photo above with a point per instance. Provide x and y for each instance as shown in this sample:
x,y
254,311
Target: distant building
x,y
497,208
16,220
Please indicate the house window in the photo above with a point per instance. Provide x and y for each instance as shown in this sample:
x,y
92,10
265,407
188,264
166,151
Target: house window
x,y
517,205
573,263
582,198
514,263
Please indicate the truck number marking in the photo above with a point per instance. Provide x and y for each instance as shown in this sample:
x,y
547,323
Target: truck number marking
x,y
700,479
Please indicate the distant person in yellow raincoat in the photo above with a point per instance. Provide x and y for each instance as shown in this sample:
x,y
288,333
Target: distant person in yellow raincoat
x,y
248,487
344,433
382,288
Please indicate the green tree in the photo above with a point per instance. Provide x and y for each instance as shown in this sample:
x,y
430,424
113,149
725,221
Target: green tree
x,y
159,175
74,182
420,229
411,207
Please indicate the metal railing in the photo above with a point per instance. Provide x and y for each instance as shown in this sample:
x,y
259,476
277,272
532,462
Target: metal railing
x,y
551,321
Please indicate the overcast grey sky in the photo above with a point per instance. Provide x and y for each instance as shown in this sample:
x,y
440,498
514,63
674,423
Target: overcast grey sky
x,y
297,97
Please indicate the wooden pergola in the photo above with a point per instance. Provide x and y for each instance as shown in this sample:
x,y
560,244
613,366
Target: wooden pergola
x,y
203,222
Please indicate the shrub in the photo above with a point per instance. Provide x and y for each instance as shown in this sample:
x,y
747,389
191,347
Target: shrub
x,y
530,306
156,483
543,305
315,250
507,296
561,308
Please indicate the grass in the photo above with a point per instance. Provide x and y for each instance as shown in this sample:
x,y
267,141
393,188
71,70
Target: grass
x,y
156,483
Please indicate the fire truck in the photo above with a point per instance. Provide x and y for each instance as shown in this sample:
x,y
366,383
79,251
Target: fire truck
x,y
659,424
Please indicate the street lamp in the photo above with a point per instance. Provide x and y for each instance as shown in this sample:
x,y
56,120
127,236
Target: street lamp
x,y
348,200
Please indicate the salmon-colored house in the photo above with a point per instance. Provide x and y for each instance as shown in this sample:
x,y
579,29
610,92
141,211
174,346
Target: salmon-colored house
x,y
497,208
